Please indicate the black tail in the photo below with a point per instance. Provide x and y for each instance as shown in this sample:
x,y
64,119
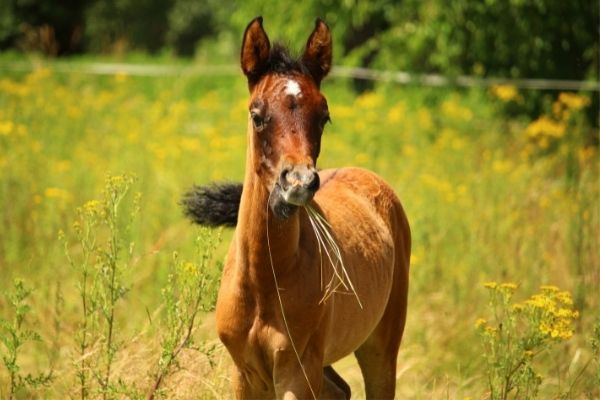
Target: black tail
x,y
213,205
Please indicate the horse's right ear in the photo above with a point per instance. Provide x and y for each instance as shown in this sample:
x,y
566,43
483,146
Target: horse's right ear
x,y
317,55
255,51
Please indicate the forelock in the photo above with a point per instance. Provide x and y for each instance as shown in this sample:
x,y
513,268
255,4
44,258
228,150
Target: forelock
x,y
282,62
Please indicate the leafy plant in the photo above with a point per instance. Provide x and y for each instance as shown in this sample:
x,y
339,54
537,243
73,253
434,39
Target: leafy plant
x,y
518,333
191,288
101,281
13,336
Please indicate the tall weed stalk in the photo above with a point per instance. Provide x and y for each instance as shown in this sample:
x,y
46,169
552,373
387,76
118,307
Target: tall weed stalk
x,y
191,288
101,265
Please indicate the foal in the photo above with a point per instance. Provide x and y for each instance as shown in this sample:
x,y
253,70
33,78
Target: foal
x,y
282,332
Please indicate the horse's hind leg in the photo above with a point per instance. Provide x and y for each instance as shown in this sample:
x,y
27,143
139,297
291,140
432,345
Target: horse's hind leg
x,y
377,356
334,386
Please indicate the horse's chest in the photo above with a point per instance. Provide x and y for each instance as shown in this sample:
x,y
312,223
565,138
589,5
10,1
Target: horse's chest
x,y
251,341
242,327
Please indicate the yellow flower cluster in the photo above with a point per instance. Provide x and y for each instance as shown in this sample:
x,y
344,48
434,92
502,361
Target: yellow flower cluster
x,y
550,310
546,126
454,110
57,193
553,308
506,93
573,101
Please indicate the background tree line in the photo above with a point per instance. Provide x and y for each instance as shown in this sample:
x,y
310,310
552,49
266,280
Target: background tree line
x,y
507,38
495,38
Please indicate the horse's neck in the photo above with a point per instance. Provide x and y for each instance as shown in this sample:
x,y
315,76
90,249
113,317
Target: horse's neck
x,y
263,240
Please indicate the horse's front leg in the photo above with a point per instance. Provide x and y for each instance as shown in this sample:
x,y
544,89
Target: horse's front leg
x,y
297,377
248,385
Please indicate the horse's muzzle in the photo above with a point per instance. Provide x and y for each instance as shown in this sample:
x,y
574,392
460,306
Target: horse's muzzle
x,y
298,184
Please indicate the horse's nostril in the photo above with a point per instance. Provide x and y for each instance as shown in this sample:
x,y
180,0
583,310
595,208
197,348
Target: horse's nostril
x,y
283,177
314,182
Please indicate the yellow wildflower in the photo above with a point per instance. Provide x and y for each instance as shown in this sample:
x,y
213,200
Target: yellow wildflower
x,y
506,93
189,268
549,288
91,206
490,331
57,193
481,322
455,111
490,285
518,307
541,301
573,101
369,100
396,113
544,328
6,127
116,180
564,297
508,285
545,127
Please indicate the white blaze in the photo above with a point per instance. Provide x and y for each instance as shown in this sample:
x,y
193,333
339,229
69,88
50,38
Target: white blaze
x,y
292,87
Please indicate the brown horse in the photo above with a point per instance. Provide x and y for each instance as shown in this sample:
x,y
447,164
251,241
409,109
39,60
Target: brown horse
x,y
291,303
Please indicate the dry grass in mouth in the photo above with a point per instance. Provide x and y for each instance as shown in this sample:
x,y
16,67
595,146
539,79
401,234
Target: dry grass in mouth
x,y
340,281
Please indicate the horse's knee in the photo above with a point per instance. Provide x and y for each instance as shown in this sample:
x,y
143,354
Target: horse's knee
x,y
250,387
294,378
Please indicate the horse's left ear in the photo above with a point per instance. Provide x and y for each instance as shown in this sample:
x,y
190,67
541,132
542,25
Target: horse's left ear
x,y
255,51
317,55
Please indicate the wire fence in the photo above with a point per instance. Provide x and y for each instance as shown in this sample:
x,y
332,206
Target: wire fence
x,y
399,77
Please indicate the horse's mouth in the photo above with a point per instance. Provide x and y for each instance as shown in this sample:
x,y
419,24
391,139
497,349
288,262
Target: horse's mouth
x,y
283,203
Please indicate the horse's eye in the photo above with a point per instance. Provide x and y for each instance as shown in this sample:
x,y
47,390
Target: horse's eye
x,y
257,120
325,120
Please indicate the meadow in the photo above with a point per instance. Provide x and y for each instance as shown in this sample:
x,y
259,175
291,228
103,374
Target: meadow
x,y
106,291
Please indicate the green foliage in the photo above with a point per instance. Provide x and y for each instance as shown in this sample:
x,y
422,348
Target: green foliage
x,y
506,38
13,336
189,21
50,27
518,334
101,270
119,25
191,288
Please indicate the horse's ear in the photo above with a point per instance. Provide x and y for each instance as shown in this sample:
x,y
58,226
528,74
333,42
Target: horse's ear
x,y
317,55
255,51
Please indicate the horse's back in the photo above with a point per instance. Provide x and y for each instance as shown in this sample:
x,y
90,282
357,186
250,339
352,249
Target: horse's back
x,y
371,228
341,187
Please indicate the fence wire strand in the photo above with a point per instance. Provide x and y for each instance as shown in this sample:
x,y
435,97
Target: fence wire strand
x,y
399,77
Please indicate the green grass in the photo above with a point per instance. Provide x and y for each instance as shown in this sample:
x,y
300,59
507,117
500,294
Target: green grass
x,y
489,198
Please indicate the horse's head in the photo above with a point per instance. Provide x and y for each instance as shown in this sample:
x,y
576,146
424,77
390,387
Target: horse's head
x,y
287,113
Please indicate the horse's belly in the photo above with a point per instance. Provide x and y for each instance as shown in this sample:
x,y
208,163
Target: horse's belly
x,y
368,254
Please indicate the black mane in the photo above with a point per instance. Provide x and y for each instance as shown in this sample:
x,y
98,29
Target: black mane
x,y
282,62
